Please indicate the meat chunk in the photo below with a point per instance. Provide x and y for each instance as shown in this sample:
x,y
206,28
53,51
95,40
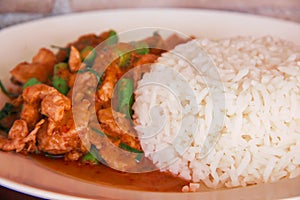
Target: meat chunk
x,y
54,107
58,135
85,40
41,68
64,139
52,103
74,60
19,137
173,40
117,126
36,93
146,59
30,114
112,155
112,74
15,138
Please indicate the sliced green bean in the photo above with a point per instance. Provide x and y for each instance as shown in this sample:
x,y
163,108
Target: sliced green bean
x,y
61,85
95,152
99,78
125,96
141,48
98,131
129,148
89,157
31,82
54,156
139,157
60,66
58,82
124,58
113,38
88,56
6,92
60,48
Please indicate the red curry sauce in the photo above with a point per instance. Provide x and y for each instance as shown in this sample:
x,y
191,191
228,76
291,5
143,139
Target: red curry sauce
x,y
101,174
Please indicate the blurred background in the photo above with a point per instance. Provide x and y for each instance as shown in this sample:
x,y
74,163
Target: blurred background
x,y
18,11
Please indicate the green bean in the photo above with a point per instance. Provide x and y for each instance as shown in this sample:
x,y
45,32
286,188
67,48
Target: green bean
x,y
7,110
125,96
139,154
129,148
113,38
124,58
7,93
31,82
58,67
95,156
58,82
88,56
99,78
53,156
97,131
61,85
139,157
59,48
89,157
142,48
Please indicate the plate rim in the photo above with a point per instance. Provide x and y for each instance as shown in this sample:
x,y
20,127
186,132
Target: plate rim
x,y
157,9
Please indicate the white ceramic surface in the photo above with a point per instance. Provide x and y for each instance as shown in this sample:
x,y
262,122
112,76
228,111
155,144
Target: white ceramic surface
x,y
21,42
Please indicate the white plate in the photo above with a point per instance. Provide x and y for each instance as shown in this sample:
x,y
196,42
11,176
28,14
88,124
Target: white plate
x,y
21,42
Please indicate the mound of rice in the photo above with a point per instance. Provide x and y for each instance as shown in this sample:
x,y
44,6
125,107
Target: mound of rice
x,y
257,136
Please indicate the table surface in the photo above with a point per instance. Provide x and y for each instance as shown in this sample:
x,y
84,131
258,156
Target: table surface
x,y
287,12
7,194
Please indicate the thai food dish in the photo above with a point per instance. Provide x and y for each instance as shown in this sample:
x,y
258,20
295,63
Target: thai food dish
x,y
210,113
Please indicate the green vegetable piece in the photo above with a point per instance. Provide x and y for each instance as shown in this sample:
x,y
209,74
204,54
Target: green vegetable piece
x,y
88,56
156,34
142,48
89,157
99,78
113,38
129,148
127,109
58,82
58,67
60,48
139,157
31,82
53,156
85,52
61,85
7,110
95,152
124,58
97,131
125,96
7,93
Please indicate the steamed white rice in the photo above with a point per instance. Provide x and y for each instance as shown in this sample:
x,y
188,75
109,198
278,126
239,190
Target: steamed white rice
x,y
231,125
